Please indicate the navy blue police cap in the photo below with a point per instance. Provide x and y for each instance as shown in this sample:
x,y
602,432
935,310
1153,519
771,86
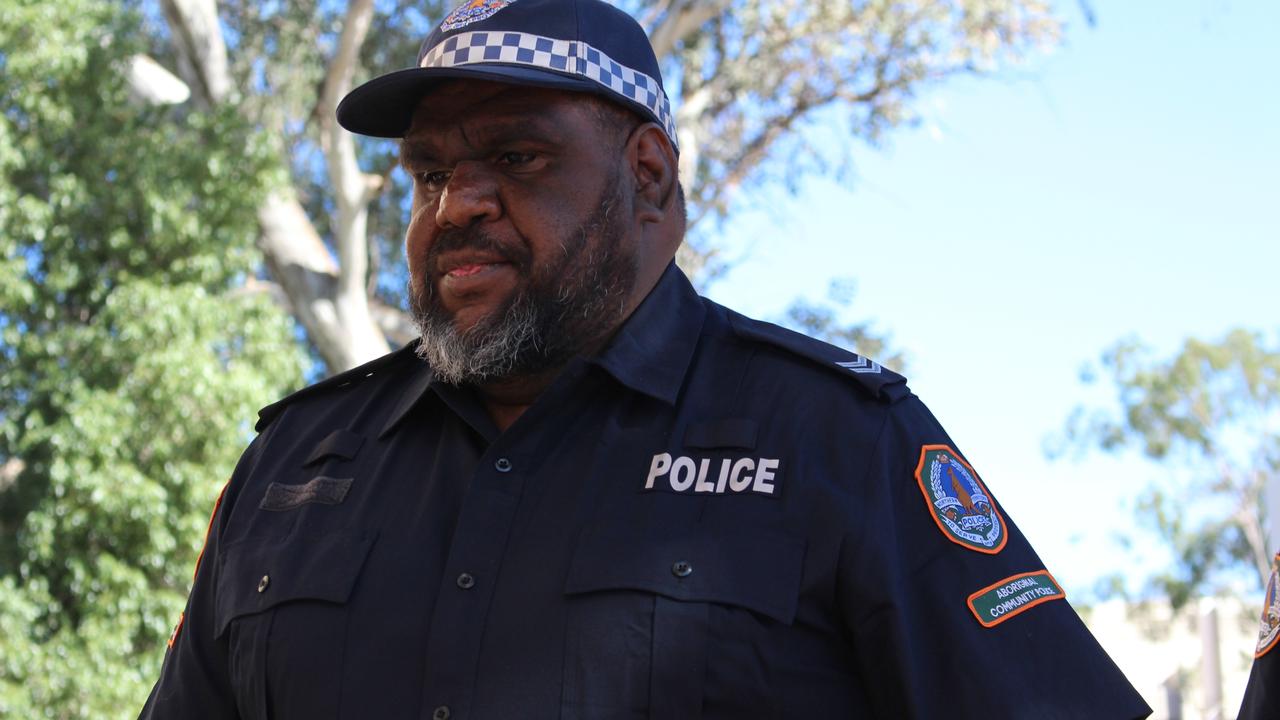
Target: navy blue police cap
x,y
582,45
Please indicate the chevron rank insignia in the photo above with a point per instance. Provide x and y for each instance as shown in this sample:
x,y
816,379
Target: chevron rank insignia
x,y
861,365
958,501
1269,625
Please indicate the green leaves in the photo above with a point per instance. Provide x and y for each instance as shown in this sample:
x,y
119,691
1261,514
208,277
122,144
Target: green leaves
x,y
132,357
1210,415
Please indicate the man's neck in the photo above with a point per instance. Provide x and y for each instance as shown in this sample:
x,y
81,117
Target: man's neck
x,y
507,399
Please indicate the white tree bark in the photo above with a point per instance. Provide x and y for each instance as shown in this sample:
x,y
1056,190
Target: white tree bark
x,y
202,53
678,19
329,298
353,190
151,84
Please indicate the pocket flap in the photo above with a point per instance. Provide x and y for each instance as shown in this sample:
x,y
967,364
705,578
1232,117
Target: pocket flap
x,y
760,572
342,444
260,573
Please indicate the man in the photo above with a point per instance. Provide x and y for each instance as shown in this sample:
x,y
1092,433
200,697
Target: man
x,y
1262,694
587,492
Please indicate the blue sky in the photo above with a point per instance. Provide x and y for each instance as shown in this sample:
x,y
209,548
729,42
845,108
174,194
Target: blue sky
x,y
1123,185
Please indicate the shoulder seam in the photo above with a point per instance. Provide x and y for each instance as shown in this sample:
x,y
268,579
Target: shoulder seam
x,y
356,374
880,382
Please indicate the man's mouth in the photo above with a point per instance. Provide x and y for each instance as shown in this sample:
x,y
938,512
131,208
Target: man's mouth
x,y
465,263
470,269
470,272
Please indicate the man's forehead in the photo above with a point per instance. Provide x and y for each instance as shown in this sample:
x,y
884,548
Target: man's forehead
x,y
452,103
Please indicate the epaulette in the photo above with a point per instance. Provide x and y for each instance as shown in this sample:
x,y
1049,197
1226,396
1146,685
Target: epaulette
x,y
342,379
881,382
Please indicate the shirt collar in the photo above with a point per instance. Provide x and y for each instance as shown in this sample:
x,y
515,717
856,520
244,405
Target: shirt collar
x,y
417,384
651,351
649,354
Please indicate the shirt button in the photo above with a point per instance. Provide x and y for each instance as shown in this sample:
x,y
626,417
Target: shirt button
x,y
681,569
263,583
466,581
441,713
502,465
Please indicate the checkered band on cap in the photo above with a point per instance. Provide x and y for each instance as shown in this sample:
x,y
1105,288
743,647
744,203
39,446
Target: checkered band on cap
x,y
572,57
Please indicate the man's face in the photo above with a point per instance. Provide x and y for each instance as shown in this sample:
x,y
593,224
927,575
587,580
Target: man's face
x,y
519,249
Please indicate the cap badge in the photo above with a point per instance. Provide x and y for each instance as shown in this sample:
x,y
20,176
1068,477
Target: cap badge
x,y
958,501
472,11
1269,625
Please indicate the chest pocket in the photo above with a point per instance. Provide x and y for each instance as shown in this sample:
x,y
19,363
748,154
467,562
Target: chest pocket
x,y
280,605
642,611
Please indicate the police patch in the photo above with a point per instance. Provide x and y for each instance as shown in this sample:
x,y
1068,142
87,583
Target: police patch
x,y
696,476
1014,595
1269,624
958,501
472,11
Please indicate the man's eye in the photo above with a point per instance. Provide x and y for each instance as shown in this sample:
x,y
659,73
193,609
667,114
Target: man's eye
x,y
433,181
516,158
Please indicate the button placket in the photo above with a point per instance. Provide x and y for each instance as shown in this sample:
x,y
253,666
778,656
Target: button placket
x,y
461,611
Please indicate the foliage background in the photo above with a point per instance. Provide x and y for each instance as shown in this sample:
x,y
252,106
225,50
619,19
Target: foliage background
x,y
130,360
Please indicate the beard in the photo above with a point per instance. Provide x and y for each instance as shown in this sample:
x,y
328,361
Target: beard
x,y
558,312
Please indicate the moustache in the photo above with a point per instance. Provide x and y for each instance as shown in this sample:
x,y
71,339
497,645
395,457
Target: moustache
x,y
478,240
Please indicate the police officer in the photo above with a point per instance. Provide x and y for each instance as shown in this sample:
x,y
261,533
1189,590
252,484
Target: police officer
x,y
1262,694
586,492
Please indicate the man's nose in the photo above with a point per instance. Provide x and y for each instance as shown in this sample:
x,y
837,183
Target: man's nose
x,y
470,197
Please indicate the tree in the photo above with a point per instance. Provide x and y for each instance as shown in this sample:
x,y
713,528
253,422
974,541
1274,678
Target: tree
x,y
745,76
131,357
1210,416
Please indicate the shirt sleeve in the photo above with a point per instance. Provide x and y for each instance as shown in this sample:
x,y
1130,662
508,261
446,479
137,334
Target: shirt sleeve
x,y
194,680
950,611
1262,694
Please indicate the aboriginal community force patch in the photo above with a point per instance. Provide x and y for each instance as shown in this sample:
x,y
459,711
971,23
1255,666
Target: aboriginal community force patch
x,y
958,501
1014,595
1269,626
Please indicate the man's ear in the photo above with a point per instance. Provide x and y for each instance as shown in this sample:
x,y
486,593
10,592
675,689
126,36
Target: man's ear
x,y
654,167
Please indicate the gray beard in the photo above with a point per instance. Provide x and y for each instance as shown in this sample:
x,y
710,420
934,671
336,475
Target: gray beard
x,y
483,352
542,327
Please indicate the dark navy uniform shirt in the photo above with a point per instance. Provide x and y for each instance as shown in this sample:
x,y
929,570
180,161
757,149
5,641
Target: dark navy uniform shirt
x,y
714,518
1262,694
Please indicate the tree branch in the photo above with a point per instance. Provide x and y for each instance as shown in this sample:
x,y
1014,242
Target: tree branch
x,y
151,84
352,188
327,297
10,470
202,53
396,324
682,18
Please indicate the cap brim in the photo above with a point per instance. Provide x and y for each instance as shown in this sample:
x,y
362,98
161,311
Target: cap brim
x,y
384,106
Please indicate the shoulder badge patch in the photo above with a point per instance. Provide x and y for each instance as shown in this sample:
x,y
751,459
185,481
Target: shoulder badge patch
x,y
472,11
1269,625
1014,595
959,502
